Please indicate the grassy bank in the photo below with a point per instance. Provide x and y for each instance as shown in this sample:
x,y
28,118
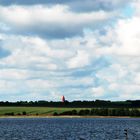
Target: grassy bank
x,y
34,110
51,116
53,111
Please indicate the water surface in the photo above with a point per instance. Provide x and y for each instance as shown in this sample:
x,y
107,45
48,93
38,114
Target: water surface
x,y
69,129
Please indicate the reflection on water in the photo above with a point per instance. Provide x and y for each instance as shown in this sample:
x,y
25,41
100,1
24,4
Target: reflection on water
x,y
69,129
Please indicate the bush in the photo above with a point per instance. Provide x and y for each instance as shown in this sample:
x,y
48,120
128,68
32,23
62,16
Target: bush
x,y
55,114
66,113
135,113
74,112
24,113
84,112
19,114
9,114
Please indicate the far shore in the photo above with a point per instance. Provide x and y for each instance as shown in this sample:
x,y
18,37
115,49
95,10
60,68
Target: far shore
x,y
52,112
64,116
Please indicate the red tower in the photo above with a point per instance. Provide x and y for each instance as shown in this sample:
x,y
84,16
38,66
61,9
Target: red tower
x,y
63,99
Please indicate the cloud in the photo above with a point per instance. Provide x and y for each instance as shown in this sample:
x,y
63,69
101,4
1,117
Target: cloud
x,y
110,76
88,5
122,76
80,60
50,50
98,91
56,21
13,74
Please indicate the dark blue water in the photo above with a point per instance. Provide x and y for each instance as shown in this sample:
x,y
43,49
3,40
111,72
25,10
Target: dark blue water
x,y
69,129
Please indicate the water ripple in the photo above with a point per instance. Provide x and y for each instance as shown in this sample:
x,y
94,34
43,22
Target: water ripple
x,y
69,129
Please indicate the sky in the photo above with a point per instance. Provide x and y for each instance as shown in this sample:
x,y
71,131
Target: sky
x,y
84,50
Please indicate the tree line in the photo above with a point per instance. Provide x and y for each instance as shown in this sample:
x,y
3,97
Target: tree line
x,y
102,112
84,104
90,112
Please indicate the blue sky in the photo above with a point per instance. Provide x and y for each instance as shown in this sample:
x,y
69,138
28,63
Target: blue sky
x,y
83,50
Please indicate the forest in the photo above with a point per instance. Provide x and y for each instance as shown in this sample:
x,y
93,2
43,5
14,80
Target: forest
x,y
74,104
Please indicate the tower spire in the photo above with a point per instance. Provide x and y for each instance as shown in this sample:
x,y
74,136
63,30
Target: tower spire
x,y
63,99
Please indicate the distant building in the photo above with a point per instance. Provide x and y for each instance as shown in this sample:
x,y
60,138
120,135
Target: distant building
x,y
63,99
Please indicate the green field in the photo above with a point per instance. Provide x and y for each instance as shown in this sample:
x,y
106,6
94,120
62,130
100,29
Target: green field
x,y
47,111
34,110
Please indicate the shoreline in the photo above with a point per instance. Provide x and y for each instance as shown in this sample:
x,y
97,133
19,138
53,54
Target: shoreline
x,y
65,116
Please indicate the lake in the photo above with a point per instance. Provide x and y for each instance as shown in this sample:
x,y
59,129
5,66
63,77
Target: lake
x,y
69,129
